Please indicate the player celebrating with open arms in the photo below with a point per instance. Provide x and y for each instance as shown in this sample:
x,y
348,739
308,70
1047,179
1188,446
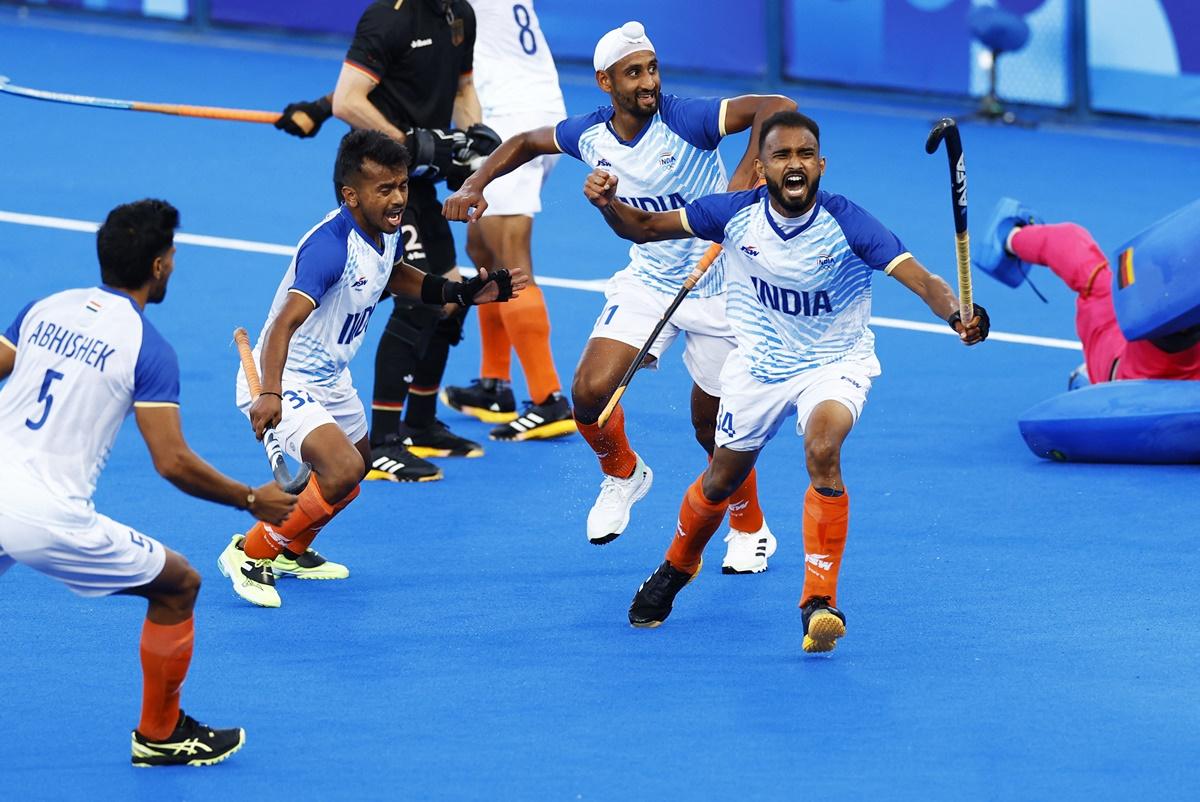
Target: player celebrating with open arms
x,y
77,362
665,150
341,269
798,263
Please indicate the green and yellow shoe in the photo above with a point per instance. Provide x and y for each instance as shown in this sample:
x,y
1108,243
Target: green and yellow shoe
x,y
309,565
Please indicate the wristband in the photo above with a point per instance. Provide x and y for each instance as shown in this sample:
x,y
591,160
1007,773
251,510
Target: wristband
x,y
269,392
433,289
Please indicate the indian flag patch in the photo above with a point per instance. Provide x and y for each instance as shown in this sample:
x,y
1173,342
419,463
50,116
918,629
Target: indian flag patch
x,y
93,305
1125,269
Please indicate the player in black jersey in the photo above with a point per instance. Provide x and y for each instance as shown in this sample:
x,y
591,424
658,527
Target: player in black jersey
x,y
408,74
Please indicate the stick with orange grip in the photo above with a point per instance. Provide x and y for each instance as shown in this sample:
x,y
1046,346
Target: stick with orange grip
x,y
176,109
693,278
283,476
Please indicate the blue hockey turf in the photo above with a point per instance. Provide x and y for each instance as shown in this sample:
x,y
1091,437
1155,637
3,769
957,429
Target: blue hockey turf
x,y
1017,629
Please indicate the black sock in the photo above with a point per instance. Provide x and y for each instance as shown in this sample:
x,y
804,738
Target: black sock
x,y
291,555
421,409
395,360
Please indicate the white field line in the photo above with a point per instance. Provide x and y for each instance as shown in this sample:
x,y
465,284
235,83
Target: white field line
x,y
590,285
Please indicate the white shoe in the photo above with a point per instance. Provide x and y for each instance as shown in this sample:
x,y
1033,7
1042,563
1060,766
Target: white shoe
x,y
610,514
748,552
252,579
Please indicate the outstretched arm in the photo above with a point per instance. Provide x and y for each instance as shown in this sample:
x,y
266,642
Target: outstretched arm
x,y
937,295
629,222
515,151
486,287
749,111
182,467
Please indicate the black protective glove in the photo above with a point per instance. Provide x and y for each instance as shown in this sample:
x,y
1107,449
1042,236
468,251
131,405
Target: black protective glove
x,y
985,323
433,150
464,292
304,119
439,290
481,142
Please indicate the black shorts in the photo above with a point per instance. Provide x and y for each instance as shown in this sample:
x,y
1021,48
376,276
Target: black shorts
x,y
426,238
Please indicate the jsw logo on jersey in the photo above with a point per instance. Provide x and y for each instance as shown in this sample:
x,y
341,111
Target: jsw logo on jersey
x,y
749,250
656,203
792,302
359,283
603,163
355,325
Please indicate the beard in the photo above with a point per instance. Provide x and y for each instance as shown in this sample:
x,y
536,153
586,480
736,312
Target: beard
x,y
157,294
790,206
629,103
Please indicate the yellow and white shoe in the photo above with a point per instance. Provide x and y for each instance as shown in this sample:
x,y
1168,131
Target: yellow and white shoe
x,y
309,565
252,579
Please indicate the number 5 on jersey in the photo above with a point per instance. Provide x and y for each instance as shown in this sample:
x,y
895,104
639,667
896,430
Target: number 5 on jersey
x,y
44,397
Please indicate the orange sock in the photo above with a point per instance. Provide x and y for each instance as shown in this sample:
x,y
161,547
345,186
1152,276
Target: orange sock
x,y
496,361
699,519
826,521
166,653
264,542
528,325
301,542
611,445
745,514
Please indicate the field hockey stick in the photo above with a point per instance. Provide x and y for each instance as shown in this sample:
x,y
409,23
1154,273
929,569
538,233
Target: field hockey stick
x,y
946,129
283,477
697,273
176,109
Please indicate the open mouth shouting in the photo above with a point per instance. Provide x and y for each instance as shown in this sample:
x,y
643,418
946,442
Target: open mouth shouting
x,y
795,185
392,217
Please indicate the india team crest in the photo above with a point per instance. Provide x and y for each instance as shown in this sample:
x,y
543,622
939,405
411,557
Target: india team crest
x,y
667,160
825,261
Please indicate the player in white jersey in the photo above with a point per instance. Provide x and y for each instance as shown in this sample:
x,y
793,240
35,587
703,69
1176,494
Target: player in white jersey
x,y
798,263
341,269
517,84
77,362
665,150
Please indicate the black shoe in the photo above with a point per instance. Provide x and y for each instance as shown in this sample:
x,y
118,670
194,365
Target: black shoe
x,y
652,603
490,400
551,418
436,440
191,744
393,462
823,624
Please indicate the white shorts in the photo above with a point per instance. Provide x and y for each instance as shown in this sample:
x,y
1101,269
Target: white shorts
x,y
752,412
520,192
96,560
306,407
632,310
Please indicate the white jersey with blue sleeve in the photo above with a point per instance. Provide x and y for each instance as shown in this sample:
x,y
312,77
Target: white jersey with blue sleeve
x,y
673,161
342,273
85,358
799,296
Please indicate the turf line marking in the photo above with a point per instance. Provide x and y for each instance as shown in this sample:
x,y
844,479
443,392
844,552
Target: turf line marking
x,y
587,285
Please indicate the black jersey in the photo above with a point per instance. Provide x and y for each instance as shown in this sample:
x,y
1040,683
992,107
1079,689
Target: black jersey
x,y
417,50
